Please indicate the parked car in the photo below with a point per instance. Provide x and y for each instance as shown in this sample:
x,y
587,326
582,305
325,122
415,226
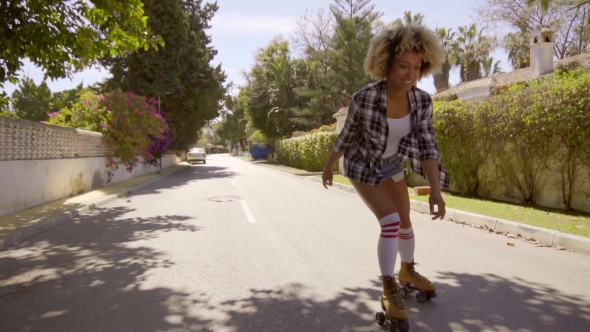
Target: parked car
x,y
196,154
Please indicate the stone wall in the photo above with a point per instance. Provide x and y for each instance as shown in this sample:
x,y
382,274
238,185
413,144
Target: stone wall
x,y
40,163
29,140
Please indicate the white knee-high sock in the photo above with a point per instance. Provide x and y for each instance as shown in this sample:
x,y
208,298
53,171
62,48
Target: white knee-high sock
x,y
387,246
406,244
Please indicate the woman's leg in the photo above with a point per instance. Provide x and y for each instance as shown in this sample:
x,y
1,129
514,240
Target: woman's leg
x,y
398,194
379,203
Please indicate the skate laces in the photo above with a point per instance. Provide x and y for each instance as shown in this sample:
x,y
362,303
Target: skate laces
x,y
417,275
393,295
395,298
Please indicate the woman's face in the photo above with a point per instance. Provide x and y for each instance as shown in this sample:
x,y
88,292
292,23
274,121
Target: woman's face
x,y
405,70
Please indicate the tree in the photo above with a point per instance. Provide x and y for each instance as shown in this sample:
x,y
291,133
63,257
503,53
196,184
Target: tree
x,y
318,79
468,51
572,35
353,31
66,36
518,46
574,4
334,45
408,19
232,126
270,90
67,98
190,89
441,79
490,67
31,101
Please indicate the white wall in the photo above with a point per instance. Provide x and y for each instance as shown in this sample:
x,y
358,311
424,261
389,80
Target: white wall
x,y
28,183
475,93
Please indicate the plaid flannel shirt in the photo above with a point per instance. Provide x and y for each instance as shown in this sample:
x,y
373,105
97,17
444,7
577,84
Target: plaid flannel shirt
x,y
363,138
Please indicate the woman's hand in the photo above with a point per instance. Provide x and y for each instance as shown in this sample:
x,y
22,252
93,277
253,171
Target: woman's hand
x,y
327,177
436,199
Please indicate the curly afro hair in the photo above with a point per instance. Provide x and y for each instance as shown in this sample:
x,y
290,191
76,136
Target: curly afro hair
x,y
393,41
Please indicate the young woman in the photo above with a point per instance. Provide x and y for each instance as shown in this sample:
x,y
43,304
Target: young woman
x,y
388,122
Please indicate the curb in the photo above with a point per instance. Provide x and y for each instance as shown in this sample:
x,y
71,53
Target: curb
x,y
288,171
16,237
515,230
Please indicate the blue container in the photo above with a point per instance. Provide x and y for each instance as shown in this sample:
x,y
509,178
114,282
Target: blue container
x,y
259,151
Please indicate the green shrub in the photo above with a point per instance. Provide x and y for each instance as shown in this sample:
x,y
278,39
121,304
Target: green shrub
x,y
459,136
308,152
524,130
258,138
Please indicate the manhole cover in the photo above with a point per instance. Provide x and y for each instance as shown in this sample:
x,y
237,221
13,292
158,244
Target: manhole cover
x,y
224,199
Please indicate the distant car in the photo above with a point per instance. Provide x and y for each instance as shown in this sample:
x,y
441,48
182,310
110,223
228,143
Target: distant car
x,y
196,154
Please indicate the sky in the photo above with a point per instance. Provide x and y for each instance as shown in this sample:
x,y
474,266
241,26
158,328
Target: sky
x,y
240,28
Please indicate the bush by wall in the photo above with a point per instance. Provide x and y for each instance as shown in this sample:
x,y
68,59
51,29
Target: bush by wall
x,y
308,152
525,132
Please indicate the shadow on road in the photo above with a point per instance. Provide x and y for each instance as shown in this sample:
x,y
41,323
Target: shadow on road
x,y
488,302
93,274
89,275
193,173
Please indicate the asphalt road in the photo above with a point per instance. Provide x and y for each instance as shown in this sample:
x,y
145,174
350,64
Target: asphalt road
x,y
233,246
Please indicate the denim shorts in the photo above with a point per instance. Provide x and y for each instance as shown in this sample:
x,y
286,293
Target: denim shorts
x,y
391,167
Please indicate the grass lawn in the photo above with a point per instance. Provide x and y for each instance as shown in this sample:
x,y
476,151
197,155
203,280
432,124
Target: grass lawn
x,y
573,223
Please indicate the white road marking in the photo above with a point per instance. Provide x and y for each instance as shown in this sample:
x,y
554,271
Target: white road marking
x,y
249,214
233,182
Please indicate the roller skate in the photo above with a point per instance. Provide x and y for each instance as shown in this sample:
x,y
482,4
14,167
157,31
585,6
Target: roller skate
x,y
412,280
394,316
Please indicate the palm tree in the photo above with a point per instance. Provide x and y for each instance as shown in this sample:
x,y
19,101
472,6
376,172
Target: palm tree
x,y
517,45
441,80
489,67
408,19
468,51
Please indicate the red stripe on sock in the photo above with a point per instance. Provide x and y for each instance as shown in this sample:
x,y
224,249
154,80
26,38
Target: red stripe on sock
x,y
406,236
394,224
389,236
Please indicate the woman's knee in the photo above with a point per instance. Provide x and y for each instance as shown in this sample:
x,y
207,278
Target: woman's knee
x,y
375,198
398,194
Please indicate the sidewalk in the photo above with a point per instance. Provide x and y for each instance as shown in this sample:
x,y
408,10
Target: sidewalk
x,y
21,225
537,236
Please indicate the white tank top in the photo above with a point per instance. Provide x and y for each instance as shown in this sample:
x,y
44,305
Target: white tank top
x,y
398,129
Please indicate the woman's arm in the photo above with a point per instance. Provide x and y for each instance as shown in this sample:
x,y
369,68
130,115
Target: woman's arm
x,y
430,161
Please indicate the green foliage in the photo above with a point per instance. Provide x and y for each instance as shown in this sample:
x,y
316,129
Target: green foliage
x,y
270,90
232,127
190,88
258,137
308,152
288,94
126,120
525,131
67,98
5,112
34,102
30,101
458,130
63,37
